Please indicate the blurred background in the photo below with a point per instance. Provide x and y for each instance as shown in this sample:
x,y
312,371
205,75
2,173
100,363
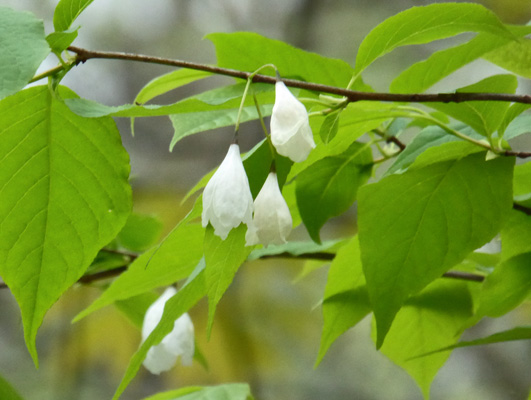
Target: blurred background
x,y
268,325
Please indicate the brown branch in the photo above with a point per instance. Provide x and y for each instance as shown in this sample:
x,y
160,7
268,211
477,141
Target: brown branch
x,y
82,55
524,209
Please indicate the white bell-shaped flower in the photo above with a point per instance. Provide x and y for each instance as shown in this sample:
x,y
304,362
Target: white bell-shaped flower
x,y
290,128
227,199
178,343
272,220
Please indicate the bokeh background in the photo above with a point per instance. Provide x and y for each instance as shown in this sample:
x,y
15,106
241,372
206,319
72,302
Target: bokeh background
x,y
267,328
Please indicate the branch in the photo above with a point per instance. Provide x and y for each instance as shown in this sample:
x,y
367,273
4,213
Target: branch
x,y
524,209
82,55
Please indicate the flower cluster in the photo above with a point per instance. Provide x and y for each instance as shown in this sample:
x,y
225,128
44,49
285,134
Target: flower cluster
x,y
178,343
227,199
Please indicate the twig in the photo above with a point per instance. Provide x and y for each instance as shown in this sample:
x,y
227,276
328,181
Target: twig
x,y
82,55
524,209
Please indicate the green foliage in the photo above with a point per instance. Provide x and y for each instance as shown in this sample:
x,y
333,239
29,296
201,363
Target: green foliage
x,y
23,47
64,196
66,13
329,187
222,259
442,185
7,392
425,24
402,218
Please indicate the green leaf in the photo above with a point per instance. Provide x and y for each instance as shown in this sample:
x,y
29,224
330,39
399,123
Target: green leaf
x,y
140,232
512,113
64,194
483,116
163,265
134,308
66,12
192,291
7,392
518,126
515,235
23,48
290,61
329,127
167,82
228,391
506,287
295,249
514,57
425,24
436,139
415,226
223,258
518,333
59,41
434,318
329,187
422,75
186,124
345,301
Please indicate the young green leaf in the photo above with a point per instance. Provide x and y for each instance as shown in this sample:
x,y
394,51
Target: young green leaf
x,y
290,61
7,392
425,24
23,48
518,333
66,12
345,301
329,187
167,82
186,124
434,318
228,391
483,116
192,291
329,127
140,232
64,194
163,265
223,258
515,235
518,126
506,287
422,75
415,226
514,57
59,41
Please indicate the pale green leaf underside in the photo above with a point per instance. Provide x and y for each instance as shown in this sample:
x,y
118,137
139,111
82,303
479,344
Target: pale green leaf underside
x,y
513,57
22,47
186,124
186,298
63,195
415,226
425,24
66,12
167,82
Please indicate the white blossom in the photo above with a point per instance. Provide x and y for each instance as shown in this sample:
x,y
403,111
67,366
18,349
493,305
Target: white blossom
x,y
272,220
227,199
290,128
179,342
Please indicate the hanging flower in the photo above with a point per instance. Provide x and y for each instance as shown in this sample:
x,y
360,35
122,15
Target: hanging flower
x,y
227,199
290,128
179,342
272,221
